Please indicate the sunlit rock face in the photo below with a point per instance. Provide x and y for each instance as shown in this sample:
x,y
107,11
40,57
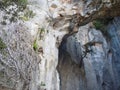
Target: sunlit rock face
x,y
81,67
114,33
98,69
29,56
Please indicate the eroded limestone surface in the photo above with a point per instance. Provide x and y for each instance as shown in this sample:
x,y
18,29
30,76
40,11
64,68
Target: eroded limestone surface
x,y
51,45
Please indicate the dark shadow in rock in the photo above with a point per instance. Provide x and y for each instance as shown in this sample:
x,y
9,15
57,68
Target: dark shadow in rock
x,y
72,76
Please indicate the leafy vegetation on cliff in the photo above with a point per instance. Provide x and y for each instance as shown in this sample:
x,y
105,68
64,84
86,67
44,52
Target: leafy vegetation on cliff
x,y
100,24
15,10
5,3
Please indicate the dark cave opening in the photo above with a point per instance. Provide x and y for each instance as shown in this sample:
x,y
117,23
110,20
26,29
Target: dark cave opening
x,y
70,73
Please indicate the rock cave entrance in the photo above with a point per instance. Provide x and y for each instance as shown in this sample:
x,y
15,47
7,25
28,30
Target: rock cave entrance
x,y
72,77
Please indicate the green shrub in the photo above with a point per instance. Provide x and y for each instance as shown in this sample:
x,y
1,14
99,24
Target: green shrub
x,y
5,3
21,2
21,6
100,24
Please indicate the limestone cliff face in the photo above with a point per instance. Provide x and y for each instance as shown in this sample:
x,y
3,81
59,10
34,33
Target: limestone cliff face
x,y
95,69
114,46
53,45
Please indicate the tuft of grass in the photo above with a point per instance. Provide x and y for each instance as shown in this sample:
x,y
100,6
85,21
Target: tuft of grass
x,y
42,32
2,44
24,18
35,45
29,14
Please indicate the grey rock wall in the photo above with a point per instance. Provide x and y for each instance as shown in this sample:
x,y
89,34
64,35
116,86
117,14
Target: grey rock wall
x,y
114,55
98,69
29,46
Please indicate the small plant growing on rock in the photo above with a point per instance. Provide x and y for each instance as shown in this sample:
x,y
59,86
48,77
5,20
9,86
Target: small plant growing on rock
x,y
42,84
27,15
42,32
2,45
100,25
35,45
